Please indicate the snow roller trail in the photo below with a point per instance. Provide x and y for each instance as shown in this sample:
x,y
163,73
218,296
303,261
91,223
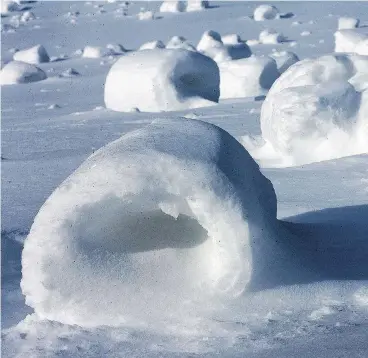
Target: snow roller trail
x,y
167,221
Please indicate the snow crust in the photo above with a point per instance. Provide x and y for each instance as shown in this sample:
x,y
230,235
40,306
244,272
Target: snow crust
x,y
174,211
162,80
265,12
33,55
249,77
16,72
317,110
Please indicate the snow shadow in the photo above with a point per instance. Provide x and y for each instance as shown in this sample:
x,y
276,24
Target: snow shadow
x,y
337,241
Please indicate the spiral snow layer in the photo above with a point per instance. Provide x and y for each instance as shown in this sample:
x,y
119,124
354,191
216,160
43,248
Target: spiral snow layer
x,y
165,218
162,80
317,109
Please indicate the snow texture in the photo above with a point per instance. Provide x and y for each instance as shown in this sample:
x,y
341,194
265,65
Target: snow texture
x,y
152,45
249,77
316,110
172,211
33,55
162,80
265,12
19,72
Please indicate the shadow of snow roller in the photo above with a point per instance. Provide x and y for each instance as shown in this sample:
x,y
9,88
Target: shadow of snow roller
x,y
160,222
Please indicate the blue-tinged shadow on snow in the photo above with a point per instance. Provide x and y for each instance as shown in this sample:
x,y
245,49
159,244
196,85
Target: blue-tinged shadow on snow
x,y
337,241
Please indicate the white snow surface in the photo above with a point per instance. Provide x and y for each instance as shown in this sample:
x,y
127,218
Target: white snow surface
x,y
316,110
162,80
50,127
16,72
172,6
350,41
249,77
34,55
348,23
284,59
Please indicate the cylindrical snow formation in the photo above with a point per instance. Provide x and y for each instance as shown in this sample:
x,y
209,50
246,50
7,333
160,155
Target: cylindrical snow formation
x,y
314,111
162,80
165,218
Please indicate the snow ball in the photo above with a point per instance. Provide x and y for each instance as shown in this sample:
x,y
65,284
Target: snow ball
x,y
316,110
27,16
252,42
212,46
154,225
19,72
284,59
196,5
265,12
33,55
95,52
152,45
54,106
162,80
172,6
348,40
146,15
270,37
250,77
180,42
347,23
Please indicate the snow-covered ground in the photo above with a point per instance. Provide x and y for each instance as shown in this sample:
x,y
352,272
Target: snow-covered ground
x,y
308,270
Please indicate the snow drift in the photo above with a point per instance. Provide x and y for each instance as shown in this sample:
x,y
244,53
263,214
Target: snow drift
x,y
33,55
249,77
19,72
212,46
162,80
170,217
317,110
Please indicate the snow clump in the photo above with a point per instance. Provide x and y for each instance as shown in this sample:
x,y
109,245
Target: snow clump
x,y
95,52
265,12
152,45
196,5
284,59
33,55
349,41
249,77
317,110
345,23
180,42
212,46
156,224
19,72
162,80
270,37
146,15
172,6
8,6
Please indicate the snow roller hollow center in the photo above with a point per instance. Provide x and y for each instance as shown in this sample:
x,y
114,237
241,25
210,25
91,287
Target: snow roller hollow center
x,y
160,220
